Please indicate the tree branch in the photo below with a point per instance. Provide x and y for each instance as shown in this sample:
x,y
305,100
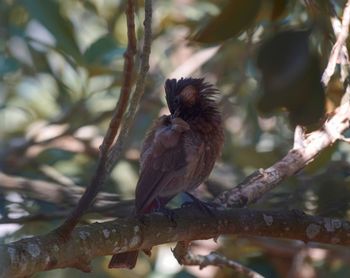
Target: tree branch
x,y
139,89
28,256
304,151
184,256
103,165
339,48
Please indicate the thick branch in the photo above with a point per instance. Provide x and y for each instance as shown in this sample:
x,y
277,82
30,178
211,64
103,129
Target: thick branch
x,y
30,255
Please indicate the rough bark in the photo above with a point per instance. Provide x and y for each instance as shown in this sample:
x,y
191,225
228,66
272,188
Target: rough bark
x,y
28,256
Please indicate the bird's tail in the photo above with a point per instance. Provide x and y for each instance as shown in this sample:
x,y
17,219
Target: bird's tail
x,y
124,260
128,259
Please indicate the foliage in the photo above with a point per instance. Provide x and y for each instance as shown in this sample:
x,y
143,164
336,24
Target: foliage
x,y
60,76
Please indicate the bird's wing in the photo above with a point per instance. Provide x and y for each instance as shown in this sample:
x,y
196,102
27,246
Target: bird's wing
x,y
163,159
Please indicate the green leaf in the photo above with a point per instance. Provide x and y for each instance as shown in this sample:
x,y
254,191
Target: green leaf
x,y
7,65
291,75
234,18
103,51
47,12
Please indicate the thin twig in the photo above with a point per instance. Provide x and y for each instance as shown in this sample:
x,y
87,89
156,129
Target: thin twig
x,y
127,81
184,256
139,89
339,48
103,170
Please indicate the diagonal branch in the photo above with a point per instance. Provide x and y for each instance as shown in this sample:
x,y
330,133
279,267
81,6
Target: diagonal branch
x,y
264,180
339,48
305,148
103,167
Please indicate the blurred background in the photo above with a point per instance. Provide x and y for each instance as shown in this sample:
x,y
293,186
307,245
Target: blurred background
x,y
60,75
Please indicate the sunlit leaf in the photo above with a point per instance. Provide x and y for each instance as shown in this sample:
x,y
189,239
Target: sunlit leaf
x,y
55,155
103,51
7,65
47,12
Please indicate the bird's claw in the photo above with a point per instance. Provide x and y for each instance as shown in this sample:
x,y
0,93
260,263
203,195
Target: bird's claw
x,y
206,207
168,213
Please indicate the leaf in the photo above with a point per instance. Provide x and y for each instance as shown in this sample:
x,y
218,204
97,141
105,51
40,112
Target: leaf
x,y
7,65
234,18
90,6
103,51
279,8
55,155
291,77
47,12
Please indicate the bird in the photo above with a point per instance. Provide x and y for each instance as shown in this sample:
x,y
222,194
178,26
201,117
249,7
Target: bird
x,y
179,150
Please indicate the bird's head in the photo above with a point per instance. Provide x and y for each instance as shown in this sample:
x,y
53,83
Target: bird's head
x,y
189,98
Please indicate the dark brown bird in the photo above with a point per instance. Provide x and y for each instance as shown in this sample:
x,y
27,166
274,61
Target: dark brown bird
x,y
179,151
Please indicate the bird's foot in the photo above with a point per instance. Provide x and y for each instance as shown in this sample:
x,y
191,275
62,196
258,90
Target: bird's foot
x,y
167,212
206,207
